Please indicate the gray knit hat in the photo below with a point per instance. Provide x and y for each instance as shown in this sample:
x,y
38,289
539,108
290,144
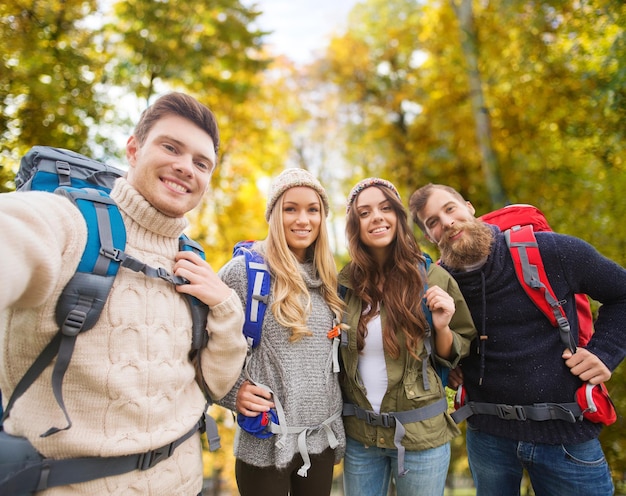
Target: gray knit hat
x,y
291,178
366,183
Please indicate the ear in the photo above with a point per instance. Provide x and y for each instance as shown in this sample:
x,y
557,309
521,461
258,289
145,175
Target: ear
x,y
470,207
131,151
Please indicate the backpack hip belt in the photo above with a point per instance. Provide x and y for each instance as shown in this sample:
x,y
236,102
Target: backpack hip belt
x,y
569,412
592,403
264,427
302,432
34,476
397,419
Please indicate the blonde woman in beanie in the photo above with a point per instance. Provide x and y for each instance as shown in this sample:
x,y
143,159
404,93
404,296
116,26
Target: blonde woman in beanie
x,y
395,414
290,383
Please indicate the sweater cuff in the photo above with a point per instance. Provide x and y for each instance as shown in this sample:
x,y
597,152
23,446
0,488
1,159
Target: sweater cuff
x,y
228,306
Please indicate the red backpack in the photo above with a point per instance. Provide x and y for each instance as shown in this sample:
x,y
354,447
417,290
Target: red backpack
x,y
521,222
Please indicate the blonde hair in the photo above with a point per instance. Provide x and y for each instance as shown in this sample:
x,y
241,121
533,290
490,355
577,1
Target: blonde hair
x,y
292,301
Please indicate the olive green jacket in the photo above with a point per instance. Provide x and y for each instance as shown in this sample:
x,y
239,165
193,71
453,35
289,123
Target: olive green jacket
x,y
405,389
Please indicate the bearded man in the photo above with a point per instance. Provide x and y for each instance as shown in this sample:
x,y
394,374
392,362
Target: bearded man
x,y
518,363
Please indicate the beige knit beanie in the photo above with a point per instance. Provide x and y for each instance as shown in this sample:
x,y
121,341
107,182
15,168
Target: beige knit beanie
x,y
291,178
367,183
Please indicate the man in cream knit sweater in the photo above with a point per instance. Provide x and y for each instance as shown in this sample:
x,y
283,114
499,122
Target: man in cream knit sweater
x,y
130,386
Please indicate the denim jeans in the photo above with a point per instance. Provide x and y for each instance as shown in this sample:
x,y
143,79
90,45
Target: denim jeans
x,y
367,471
497,465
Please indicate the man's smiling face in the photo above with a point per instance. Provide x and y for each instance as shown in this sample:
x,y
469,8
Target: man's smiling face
x,y
173,167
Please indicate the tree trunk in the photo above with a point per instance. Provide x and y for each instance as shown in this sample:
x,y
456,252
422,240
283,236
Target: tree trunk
x,y
469,46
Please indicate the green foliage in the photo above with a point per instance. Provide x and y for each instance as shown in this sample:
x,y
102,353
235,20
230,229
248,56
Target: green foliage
x,y
208,47
66,67
48,76
553,77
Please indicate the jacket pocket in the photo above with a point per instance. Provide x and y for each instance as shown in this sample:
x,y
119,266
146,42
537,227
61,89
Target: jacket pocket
x,y
415,390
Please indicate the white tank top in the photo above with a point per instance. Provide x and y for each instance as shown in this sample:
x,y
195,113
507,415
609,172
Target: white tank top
x,y
372,366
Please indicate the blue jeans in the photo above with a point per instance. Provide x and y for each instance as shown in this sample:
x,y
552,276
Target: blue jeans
x,y
367,471
497,465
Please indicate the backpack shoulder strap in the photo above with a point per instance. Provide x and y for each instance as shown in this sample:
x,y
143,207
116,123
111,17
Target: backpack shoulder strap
x,y
427,314
83,298
429,341
199,311
259,283
342,291
533,278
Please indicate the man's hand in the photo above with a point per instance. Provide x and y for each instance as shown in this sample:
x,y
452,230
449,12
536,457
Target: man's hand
x,y
455,378
204,283
587,366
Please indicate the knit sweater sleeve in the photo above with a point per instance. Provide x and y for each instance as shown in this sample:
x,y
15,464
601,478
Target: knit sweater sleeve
x,y
590,273
223,358
41,233
234,275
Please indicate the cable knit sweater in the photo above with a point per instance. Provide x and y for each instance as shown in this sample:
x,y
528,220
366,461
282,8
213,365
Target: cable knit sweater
x,y
130,386
522,352
299,373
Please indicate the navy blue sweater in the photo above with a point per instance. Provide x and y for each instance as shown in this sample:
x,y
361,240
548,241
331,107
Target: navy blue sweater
x,y
522,359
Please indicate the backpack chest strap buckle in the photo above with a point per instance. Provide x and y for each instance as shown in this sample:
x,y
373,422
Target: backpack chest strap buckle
x,y
379,419
511,412
151,458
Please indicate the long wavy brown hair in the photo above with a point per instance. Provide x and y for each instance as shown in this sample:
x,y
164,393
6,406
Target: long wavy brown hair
x,y
402,277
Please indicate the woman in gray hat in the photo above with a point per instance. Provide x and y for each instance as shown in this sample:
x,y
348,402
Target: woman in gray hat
x,y
288,398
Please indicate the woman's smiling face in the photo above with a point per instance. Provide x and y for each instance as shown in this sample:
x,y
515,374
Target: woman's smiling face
x,y
378,220
302,216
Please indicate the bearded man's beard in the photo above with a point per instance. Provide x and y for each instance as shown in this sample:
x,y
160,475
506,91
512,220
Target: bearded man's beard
x,y
472,248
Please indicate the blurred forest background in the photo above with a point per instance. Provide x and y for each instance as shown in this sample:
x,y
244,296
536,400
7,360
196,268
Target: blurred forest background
x,y
509,101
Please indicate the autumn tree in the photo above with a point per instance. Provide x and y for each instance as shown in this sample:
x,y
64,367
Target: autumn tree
x,y
256,148
48,76
552,78
464,12
206,47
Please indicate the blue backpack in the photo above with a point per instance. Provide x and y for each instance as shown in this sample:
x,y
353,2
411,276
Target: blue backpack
x,y
87,184
259,282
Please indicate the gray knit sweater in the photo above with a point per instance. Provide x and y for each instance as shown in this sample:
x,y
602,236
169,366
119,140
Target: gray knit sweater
x,y
299,373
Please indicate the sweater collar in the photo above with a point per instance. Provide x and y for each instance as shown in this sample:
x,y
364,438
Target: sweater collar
x,y
133,204
310,275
